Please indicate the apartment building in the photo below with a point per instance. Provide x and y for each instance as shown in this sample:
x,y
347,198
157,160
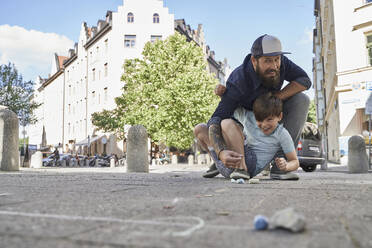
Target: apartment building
x,y
88,80
342,70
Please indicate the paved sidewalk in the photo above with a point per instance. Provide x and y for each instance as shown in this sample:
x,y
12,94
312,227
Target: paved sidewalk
x,y
175,207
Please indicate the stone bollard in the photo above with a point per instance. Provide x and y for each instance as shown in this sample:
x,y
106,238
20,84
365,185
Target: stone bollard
x,y
9,156
87,163
357,156
208,159
137,149
190,159
63,163
174,159
200,159
36,160
112,163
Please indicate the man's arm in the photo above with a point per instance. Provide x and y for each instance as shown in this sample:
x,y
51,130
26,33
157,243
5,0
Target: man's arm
x,y
224,110
291,165
290,90
297,78
229,158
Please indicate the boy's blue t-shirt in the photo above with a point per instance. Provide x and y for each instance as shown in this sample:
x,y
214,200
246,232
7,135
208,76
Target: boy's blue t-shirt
x,y
264,146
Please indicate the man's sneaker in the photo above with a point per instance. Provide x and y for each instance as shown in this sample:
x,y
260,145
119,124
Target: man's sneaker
x,y
211,172
277,174
240,173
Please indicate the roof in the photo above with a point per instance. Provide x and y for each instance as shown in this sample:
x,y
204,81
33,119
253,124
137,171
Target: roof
x,y
61,59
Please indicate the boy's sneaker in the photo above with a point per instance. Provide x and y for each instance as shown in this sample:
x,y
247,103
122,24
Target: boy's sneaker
x,y
277,174
211,172
240,173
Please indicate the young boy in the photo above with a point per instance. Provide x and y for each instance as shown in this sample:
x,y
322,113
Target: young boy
x,y
264,137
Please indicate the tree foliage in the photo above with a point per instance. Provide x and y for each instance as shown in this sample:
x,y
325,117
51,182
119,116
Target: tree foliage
x,y
311,116
168,91
17,94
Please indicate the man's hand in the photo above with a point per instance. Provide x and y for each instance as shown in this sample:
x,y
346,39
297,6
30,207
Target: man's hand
x,y
281,163
219,90
230,159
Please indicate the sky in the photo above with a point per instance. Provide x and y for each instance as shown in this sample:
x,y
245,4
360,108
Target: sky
x,y
31,31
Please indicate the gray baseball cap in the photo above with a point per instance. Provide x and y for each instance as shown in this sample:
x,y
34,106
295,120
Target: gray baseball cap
x,y
267,45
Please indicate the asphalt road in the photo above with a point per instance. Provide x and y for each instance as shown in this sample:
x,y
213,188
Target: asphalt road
x,y
109,208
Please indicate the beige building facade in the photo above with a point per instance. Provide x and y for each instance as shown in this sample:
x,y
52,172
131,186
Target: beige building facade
x,y
342,70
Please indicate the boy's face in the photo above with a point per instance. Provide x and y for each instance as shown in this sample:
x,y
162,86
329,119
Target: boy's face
x,y
269,124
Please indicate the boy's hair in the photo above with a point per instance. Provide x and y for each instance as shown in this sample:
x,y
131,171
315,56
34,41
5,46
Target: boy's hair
x,y
267,105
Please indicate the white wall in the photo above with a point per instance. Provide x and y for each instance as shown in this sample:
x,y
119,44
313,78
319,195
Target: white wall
x,y
53,107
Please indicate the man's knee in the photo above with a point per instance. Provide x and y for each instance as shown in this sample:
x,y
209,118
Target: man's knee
x,y
200,129
299,101
227,124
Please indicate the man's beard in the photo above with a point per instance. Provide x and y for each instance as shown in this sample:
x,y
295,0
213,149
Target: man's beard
x,y
267,81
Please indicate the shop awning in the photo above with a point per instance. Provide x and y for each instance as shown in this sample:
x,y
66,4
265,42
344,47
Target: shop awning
x,y
91,140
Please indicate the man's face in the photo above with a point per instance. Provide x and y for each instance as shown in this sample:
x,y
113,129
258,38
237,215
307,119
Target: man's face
x,y
268,70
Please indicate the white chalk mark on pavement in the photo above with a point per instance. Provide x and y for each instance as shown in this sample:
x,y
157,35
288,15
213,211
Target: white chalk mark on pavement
x,y
166,221
5,194
161,221
189,231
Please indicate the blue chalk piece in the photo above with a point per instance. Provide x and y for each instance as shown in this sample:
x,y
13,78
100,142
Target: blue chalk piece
x,y
261,222
240,181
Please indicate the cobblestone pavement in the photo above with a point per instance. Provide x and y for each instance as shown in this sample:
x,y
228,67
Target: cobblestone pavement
x,y
173,206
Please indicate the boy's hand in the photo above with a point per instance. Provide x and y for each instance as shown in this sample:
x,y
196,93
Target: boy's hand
x,y
281,163
219,90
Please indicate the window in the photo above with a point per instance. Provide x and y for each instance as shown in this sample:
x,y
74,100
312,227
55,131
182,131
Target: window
x,y
69,90
105,69
69,128
93,97
106,45
105,95
155,38
69,108
369,47
130,17
156,18
130,41
97,53
94,74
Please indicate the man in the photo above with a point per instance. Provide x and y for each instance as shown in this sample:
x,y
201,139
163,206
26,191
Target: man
x,y
264,70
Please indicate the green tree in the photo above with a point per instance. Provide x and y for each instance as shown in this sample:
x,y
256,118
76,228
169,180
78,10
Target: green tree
x,y
168,91
311,116
17,94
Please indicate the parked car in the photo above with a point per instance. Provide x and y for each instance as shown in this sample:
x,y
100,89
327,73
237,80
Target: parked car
x,y
309,150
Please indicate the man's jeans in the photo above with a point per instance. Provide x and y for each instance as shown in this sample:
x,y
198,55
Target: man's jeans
x,y
295,111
